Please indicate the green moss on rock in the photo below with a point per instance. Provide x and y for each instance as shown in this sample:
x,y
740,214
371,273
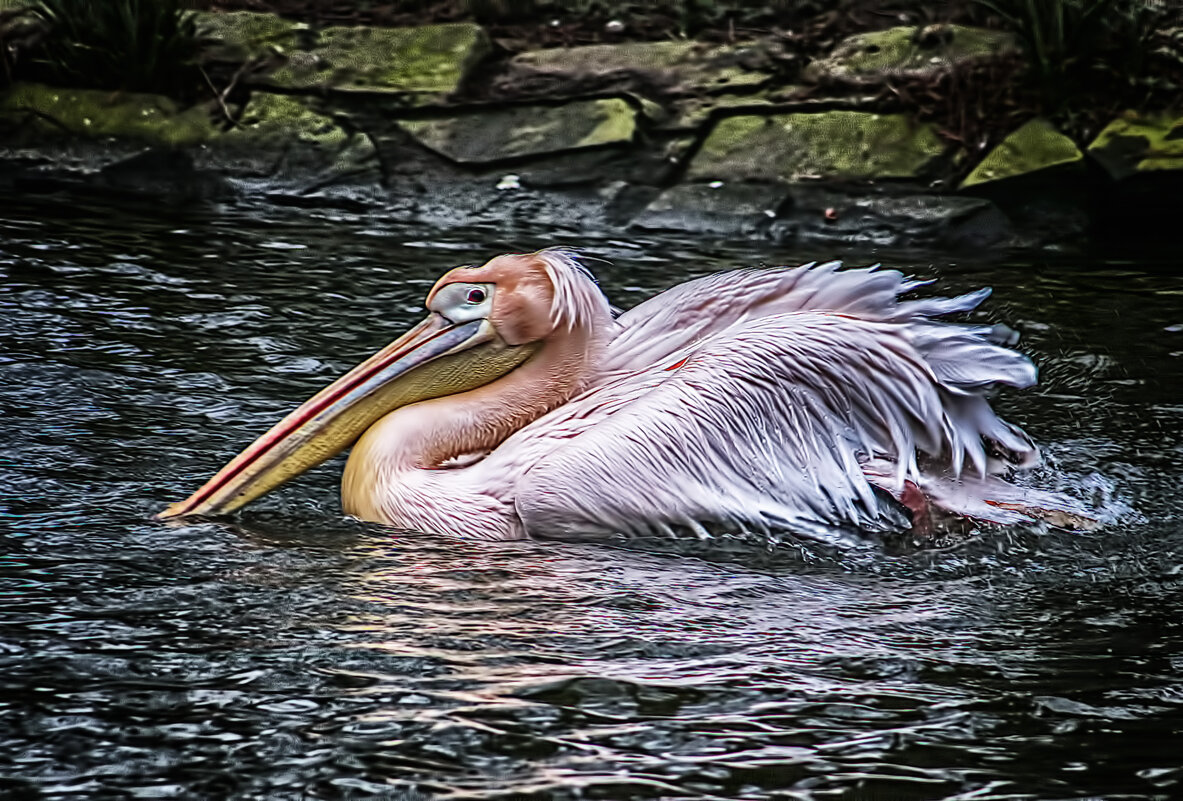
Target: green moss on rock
x,y
1136,144
94,113
428,62
272,119
1035,146
843,145
676,68
692,113
509,133
908,51
240,36
280,126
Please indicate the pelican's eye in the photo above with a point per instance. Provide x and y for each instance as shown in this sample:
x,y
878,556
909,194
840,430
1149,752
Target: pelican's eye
x,y
460,302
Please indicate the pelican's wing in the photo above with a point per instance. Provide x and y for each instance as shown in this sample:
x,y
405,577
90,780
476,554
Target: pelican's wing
x,y
689,312
765,424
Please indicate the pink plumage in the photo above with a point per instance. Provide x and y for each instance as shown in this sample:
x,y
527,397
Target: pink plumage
x,y
755,399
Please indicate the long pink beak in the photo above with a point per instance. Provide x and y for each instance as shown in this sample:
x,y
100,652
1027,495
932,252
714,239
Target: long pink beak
x,y
335,417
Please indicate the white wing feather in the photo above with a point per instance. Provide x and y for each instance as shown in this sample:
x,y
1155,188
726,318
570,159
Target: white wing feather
x,y
689,312
965,360
754,399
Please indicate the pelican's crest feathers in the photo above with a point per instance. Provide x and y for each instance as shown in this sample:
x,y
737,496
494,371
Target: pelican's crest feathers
x,y
577,297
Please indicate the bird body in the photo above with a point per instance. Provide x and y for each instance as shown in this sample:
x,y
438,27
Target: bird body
x,y
797,399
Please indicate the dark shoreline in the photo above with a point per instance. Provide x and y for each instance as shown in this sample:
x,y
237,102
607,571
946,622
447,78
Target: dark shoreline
x,y
913,135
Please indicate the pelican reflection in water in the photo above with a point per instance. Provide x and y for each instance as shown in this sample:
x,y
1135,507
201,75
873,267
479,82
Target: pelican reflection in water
x,y
803,398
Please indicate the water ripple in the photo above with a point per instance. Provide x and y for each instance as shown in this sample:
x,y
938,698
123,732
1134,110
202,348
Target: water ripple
x,y
291,652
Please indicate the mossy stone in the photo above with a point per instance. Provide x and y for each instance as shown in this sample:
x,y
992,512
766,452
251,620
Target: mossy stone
x,y
604,58
908,51
510,133
281,125
1134,144
1033,147
95,113
676,68
270,119
241,36
426,63
692,113
843,145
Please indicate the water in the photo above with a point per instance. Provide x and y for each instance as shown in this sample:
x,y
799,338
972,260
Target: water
x,y
292,653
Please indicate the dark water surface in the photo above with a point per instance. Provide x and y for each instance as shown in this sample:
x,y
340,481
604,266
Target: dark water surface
x,y
292,653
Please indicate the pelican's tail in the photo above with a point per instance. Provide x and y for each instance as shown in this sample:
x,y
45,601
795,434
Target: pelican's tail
x,y
986,498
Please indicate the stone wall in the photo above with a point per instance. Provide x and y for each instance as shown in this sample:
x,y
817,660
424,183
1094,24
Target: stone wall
x,y
438,124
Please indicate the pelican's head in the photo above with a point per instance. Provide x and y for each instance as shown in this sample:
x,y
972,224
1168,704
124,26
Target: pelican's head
x,y
482,323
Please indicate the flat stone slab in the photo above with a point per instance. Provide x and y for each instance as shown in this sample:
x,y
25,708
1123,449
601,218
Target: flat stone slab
x,y
1133,145
1034,147
692,113
483,137
424,64
98,113
720,208
241,36
842,145
908,52
648,68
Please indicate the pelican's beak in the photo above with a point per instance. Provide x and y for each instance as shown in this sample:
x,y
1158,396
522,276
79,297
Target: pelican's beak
x,y
433,359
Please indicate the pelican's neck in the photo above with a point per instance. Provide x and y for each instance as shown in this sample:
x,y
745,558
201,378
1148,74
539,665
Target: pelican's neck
x,y
393,474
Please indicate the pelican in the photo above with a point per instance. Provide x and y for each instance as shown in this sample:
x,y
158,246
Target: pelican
x,y
803,399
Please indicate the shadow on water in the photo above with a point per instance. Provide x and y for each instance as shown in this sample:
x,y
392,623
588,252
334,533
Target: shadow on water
x,y
294,653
